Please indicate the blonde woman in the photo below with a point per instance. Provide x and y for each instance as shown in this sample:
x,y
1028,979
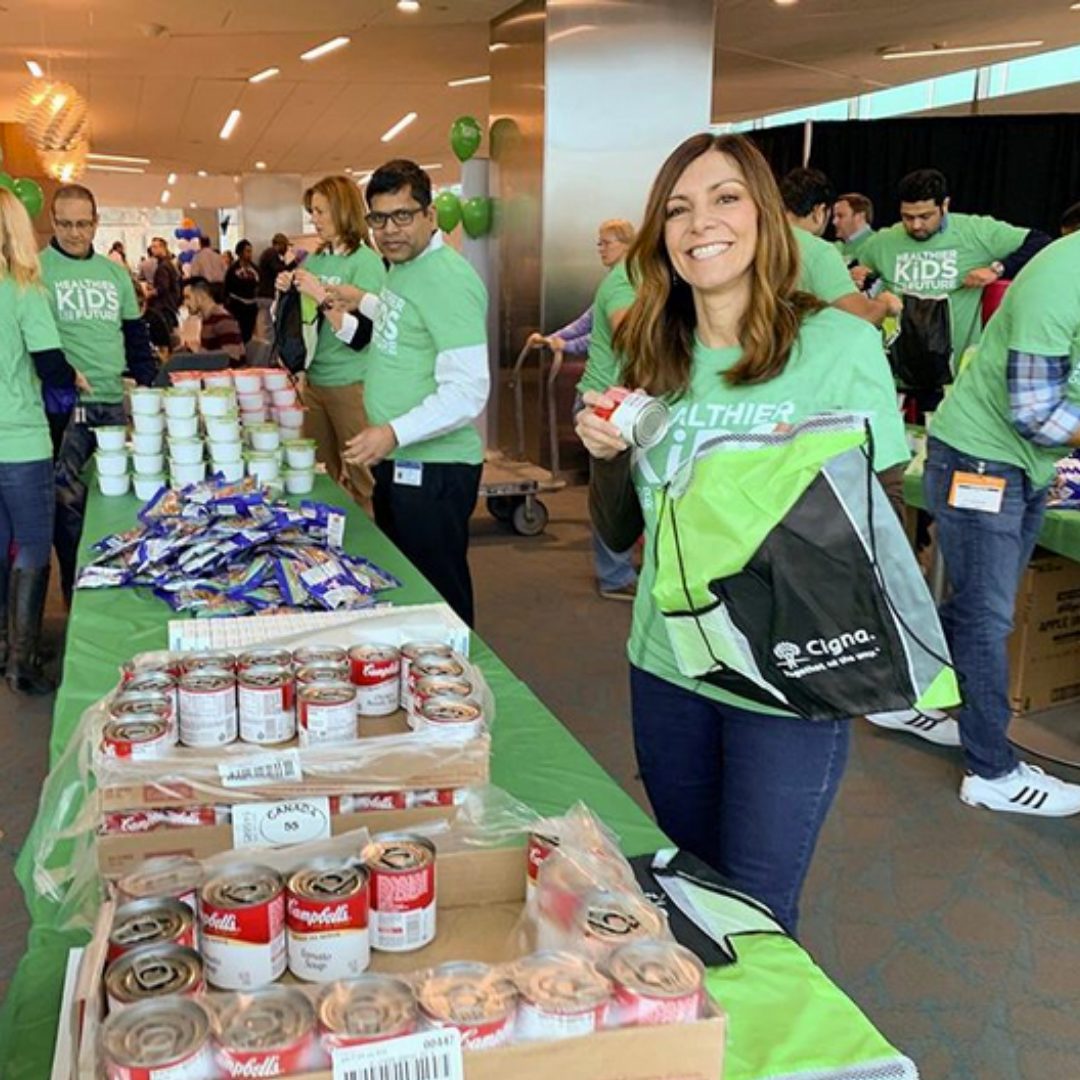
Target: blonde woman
x,y
29,355
335,277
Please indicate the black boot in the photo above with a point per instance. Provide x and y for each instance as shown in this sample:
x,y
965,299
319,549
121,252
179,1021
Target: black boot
x,y
27,604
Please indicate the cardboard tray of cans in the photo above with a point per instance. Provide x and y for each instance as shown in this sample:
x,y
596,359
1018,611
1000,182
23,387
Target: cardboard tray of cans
x,y
480,898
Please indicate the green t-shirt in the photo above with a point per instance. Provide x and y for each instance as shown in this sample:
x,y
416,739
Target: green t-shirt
x,y
428,305
614,295
335,363
851,249
26,326
90,299
937,266
1040,314
822,271
836,364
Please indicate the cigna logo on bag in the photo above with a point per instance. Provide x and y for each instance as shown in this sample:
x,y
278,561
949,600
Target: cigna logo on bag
x,y
822,654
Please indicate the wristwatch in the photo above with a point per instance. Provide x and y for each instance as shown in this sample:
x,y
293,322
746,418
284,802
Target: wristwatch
x,y
998,267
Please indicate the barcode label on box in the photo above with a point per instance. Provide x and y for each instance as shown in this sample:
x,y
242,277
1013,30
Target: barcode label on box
x,y
430,1055
271,824
283,768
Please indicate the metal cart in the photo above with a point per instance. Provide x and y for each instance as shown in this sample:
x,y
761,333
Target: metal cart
x,y
512,486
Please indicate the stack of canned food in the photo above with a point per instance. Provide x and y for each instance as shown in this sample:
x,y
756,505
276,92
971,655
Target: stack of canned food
x,y
269,696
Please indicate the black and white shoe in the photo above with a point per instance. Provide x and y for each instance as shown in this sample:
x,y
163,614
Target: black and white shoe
x,y
1026,790
929,724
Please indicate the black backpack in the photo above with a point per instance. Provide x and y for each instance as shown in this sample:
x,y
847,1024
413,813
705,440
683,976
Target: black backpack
x,y
289,348
921,355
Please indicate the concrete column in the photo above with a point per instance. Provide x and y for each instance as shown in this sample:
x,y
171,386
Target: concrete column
x,y
271,203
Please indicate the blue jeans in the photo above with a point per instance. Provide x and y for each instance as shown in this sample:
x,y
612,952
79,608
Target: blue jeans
x,y
27,506
985,555
614,569
746,792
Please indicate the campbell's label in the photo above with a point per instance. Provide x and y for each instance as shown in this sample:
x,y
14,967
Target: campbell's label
x,y
640,1008
369,672
310,916
379,800
144,821
299,1058
244,948
404,891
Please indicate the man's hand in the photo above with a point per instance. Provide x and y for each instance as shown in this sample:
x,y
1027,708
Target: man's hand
x,y
347,297
859,274
986,275
601,437
309,285
82,383
370,446
283,282
891,301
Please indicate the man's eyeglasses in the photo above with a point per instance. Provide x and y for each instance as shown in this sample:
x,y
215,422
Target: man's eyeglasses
x,y
401,218
73,226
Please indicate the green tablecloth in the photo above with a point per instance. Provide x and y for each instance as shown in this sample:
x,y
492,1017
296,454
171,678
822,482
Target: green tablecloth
x,y
534,758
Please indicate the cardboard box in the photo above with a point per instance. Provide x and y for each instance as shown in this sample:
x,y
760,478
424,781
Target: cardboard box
x,y
1044,650
481,893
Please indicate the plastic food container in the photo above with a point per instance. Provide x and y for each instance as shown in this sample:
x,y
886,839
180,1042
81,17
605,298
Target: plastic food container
x,y
282,398
255,416
180,403
226,451
148,464
218,401
264,436
231,471
264,467
275,379
110,438
182,427
148,423
248,382
299,481
289,415
186,472
217,380
146,400
186,451
300,453
146,487
111,464
223,428
147,442
114,485
250,402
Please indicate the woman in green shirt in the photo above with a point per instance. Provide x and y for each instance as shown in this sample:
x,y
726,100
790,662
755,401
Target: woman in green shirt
x,y
720,329
335,277
28,340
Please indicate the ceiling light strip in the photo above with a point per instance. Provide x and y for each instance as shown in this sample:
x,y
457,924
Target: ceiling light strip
x,y
324,48
471,80
230,124
399,127
262,76
958,50
123,159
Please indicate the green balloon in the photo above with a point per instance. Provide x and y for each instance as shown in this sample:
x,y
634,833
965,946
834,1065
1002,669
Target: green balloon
x,y
30,195
476,216
466,135
448,210
7,181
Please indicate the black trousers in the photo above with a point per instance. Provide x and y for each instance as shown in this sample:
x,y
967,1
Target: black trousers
x,y
430,524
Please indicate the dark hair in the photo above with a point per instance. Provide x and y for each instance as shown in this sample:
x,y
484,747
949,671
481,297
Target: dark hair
x,y
1070,220
240,245
395,175
204,241
280,238
859,204
199,283
73,191
803,189
923,184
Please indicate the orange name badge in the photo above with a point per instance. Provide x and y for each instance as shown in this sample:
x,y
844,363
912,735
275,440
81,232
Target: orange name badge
x,y
974,491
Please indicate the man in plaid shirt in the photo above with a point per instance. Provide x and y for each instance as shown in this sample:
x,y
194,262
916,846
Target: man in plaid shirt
x,y
993,446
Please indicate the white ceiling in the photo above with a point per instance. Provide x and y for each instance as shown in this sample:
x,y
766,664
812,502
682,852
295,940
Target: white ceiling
x,y
161,77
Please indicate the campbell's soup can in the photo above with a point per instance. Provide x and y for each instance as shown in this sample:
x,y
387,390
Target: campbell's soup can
x,y
543,840
402,869
264,656
326,713
146,705
319,654
269,1032
562,996
610,919
155,682
208,715
140,665
161,1039
130,822
265,703
451,718
142,739
477,999
242,923
322,671
409,652
656,982
423,797
375,671
431,686
642,420
178,877
366,1010
326,915
366,801
427,665
156,920
207,660
152,971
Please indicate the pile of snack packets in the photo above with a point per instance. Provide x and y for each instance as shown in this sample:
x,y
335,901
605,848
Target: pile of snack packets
x,y
1065,492
227,549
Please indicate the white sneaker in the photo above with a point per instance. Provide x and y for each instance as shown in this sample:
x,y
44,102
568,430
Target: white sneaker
x,y
929,724
1026,790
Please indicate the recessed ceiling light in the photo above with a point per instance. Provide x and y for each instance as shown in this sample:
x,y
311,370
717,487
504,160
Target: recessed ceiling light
x,y
324,48
202,172
262,76
430,168
122,159
410,7
785,3
166,195
260,164
399,127
34,68
230,124
471,80
1074,7
170,179
101,167
191,206
955,50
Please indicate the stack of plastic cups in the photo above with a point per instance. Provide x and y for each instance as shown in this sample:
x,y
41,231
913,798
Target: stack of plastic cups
x,y
264,457
226,445
148,440
286,409
217,404
249,392
299,466
112,460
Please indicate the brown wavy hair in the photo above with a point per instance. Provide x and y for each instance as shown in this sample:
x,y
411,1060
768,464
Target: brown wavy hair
x,y
657,335
346,208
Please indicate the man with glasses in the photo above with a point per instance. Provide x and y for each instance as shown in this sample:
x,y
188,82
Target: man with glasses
x,y
427,382
93,303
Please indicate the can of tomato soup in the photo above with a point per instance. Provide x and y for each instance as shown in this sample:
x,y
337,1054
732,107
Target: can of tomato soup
x,y
326,713
452,718
157,920
146,705
657,982
208,714
264,655
375,671
326,914
428,665
402,869
269,1032
474,998
163,1039
322,671
609,919
543,841
319,654
440,686
366,1010
242,923
144,739
207,660
152,971
265,704
562,996
177,877
642,420
409,652
155,682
